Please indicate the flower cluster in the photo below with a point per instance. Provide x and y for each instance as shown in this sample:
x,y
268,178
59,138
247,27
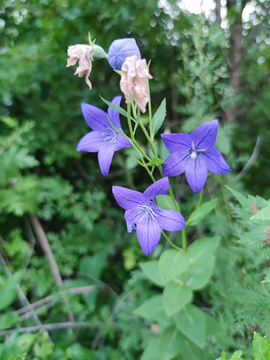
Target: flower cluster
x,y
192,154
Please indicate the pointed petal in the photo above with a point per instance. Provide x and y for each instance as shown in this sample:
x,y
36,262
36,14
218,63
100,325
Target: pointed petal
x,y
215,162
105,156
113,114
122,143
133,217
159,187
175,163
148,234
196,173
127,198
176,142
95,117
171,220
205,135
91,142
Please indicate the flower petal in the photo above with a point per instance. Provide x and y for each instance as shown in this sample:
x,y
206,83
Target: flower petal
x,y
177,142
175,163
133,217
215,162
171,220
196,173
95,117
205,135
127,198
113,114
122,143
159,187
91,142
105,156
148,234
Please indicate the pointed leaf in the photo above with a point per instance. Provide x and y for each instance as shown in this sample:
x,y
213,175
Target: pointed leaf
x,y
151,352
261,347
171,341
191,322
151,270
172,263
152,309
241,198
165,202
137,120
201,212
263,214
115,107
159,117
175,296
155,162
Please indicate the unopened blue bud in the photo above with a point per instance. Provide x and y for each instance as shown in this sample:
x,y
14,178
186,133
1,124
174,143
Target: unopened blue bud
x,y
120,49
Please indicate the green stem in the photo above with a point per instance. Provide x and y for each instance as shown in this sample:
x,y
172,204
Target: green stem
x,y
184,239
171,243
129,123
200,200
149,110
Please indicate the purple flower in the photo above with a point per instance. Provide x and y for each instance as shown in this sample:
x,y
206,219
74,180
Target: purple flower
x,y
143,215
104,139
120,49
194,154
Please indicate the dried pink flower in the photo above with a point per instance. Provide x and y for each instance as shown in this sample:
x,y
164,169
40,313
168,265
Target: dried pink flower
x,y
133,81
81,53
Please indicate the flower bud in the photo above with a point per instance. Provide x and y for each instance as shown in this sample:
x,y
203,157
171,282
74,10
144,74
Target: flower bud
x,y
120,49
99,52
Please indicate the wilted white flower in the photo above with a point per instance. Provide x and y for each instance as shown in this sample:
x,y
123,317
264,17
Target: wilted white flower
x,y
133,81
81,53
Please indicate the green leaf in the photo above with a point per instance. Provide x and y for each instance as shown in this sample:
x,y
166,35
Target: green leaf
x,y
172,263
263,214
267,277
137,120
115,107
152,309
191,351
8,291
165,202
241,199
201,262
159,117
151,270
261,347
18,357
201,212
237,355
190,320
175,296
254,236
151,352
201,248
7,320
171,341
156,161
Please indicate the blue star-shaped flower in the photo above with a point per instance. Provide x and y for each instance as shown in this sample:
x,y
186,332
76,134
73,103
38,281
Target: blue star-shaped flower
x,y
104,139
194,154
145,216
120,49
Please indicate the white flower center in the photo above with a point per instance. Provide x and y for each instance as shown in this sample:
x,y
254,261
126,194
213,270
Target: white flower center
x,y
147,211
110,135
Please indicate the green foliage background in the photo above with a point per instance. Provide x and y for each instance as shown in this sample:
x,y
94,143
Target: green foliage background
x,y
41,173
